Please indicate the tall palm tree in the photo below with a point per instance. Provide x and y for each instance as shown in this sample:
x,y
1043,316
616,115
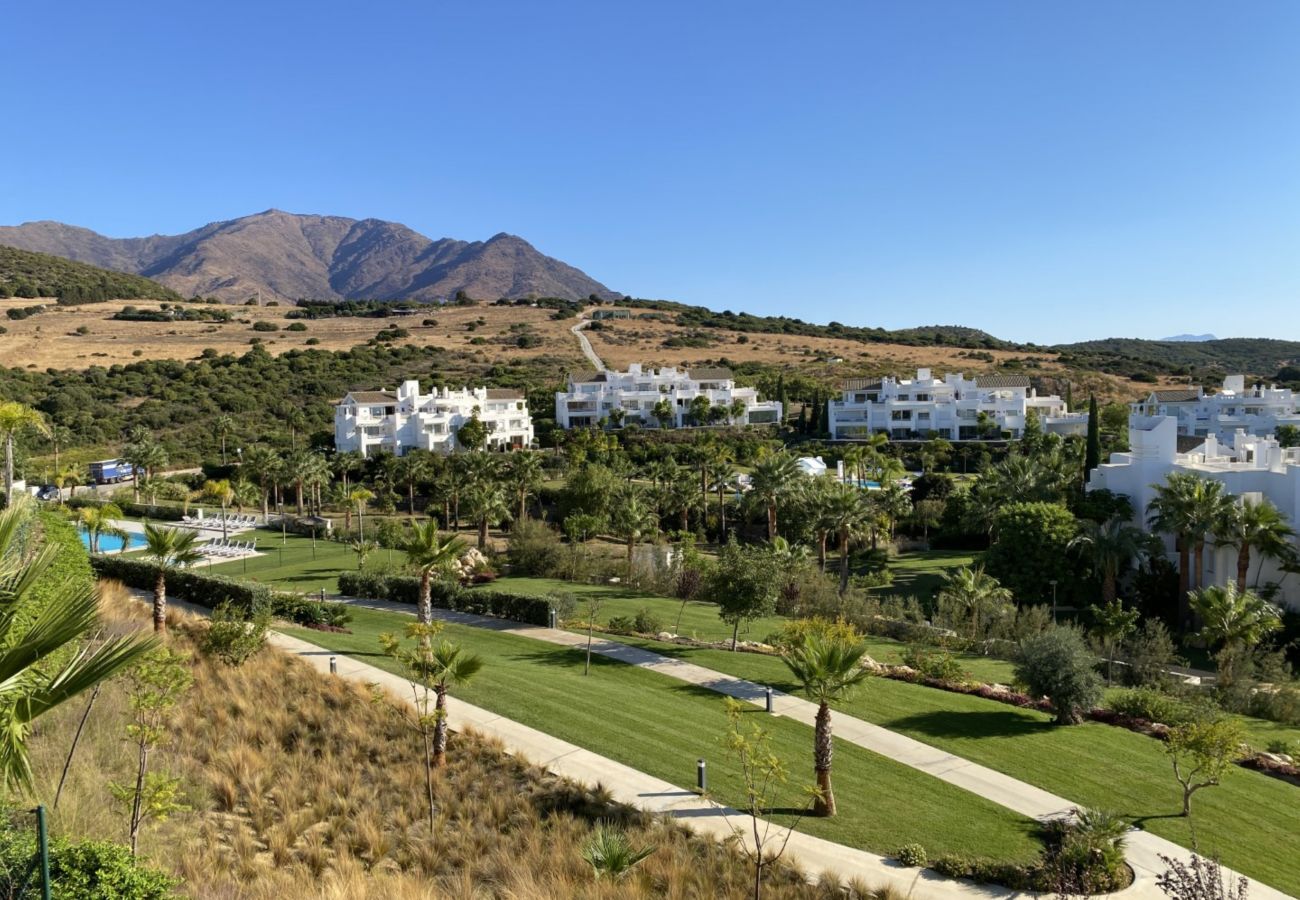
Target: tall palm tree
x,y
487,507
720,471
264,465
847,514
224,426
412,468
1110,547
451,666
1252,525
222,493
524,474
975,593
101,520
298,470
773,480
431,555
245,494
170,549
345,463
631,519
16,418
827,669
1187,509
681,499
1212,503
44,656
359,497
1234,621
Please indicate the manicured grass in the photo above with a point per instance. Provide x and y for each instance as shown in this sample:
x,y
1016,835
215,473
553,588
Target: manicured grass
x,y
920,574
1252,820
291,563
661,726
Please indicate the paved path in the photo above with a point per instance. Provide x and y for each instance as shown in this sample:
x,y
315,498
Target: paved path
x,y
1143,850
635,788
587,350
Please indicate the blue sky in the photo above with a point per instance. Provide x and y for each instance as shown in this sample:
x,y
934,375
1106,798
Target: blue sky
x,y
1045,171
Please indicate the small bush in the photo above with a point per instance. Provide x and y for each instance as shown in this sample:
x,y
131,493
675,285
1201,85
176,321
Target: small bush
x,y
295,326
913,855
939,664
80,870
622,624
534,548
233,636
1149,704
1284,748
646,623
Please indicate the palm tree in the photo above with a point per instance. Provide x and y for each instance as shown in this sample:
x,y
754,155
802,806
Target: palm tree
x,y
773,479
524,474
487,507
222,493
1234,620
245,494
719,472
170,549
430,555
631,519
1252,525
827,669
847,514
101,520
1110,547
316,477
974,593
345,463
450,666
44,654
413,468
265,466
14,419
360,497
681,499
298,470
224,426
1183,508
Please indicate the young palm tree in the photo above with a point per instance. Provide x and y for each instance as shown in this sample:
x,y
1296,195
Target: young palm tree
x,y
487,507
413,468
524,474
224,426
1234,620
450,666
631,519
719,472
1110,547
773,480
1249,525
827,669
223,494
16,418
245,494
170,549
359,497
101,520
44,655
974,593
431,555
848,515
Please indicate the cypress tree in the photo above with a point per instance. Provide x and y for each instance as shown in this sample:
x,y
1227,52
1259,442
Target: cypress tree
x,y
802,427
1092,454
782,397
815,418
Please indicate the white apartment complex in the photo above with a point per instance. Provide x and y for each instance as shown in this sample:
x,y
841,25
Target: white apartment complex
x,y
952,407
395,422
1257,410
1250,467
592,396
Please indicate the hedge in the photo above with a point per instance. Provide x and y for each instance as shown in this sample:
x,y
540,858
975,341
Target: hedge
x,y
448,595
142,510
212,591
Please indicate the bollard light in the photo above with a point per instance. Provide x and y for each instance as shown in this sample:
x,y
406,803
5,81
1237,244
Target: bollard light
x,y
768,692
550,616
701,777
322,595
334,665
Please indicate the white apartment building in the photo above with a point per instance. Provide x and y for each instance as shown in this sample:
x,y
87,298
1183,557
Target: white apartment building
x,y
1250,467
951,408
395,422
1257,410
592,396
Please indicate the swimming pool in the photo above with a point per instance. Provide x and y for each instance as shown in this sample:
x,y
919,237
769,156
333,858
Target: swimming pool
x,y
107,542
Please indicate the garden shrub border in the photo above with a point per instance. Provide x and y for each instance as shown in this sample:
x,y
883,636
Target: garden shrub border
x,y
525,608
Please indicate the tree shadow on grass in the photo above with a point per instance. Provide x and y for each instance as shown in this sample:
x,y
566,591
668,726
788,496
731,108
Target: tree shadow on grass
x,y
972,724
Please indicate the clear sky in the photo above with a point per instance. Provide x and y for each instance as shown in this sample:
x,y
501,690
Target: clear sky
x,y
1045,171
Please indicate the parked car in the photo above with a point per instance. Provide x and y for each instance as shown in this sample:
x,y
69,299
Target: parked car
x,y
48,492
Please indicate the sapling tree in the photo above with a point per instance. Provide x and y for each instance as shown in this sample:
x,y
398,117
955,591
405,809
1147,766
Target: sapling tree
x,y
1202,750
594,603
155,685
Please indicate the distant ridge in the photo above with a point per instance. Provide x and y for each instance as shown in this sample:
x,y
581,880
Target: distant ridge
x,y
286,257
1191,338
26,274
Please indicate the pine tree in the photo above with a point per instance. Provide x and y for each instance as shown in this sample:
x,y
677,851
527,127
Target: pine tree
x,y
1092,454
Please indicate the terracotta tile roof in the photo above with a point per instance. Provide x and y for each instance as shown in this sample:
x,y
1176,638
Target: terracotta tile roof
x,y
1002,381
1182,395
504,394
861,384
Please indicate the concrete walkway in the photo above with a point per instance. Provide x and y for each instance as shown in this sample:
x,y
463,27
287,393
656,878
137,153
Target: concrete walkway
x,y
1143,848
635,788
587,350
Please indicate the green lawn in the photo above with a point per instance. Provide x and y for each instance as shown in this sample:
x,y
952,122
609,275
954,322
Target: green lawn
x,y
1252,820
920,573
292,564
661,726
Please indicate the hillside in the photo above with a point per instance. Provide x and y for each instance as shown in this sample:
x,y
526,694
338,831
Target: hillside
x,y
285,257
28,275
1201,360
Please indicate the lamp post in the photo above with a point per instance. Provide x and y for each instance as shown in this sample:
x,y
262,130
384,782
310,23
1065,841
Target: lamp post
x,y
1053,584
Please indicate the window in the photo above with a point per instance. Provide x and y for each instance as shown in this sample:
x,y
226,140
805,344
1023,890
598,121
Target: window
x,y
923,397
901,415
904,396
923,417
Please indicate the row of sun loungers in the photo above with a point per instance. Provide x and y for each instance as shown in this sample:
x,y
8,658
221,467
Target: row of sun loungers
x,y
214,522
226,548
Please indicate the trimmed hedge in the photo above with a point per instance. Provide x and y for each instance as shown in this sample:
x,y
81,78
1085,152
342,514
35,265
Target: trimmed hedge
x,y
212,591
143,510
447,595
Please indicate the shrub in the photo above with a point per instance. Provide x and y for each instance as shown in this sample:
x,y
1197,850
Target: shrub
x,y
622,624
295,326
939,664
80,870
1150,653
1057,664
1284,748
1149,704
794,634
448,595
646,623
234,636
264,326
913,855
534,548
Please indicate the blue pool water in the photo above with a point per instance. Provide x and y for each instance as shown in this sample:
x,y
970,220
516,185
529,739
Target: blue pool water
x,y
107,542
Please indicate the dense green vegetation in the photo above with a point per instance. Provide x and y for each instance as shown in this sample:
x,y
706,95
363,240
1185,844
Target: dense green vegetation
x,y
1203,361
27,274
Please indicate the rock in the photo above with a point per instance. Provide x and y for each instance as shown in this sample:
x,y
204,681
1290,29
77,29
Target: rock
x,y
666,636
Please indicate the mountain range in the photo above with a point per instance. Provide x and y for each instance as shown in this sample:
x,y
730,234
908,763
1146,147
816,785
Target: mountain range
x,y
286,257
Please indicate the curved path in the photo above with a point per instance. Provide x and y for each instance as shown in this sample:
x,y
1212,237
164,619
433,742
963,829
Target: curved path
x,y
1143,849
587,350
